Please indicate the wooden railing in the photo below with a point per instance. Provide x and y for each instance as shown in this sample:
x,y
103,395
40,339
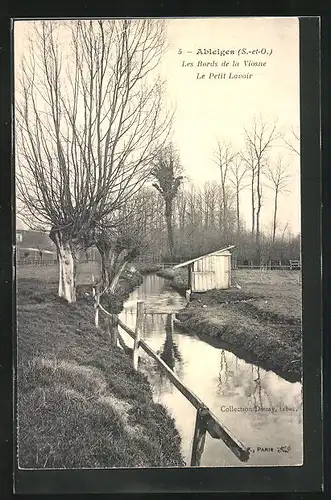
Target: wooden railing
x,y
205,421
295,264
37,262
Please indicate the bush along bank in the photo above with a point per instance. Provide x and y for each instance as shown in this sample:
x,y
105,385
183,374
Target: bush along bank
x,y
80,403
129,281
178,279
147,268
234,318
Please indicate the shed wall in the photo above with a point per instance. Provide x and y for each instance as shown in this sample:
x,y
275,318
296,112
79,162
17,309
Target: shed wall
x,y
211,272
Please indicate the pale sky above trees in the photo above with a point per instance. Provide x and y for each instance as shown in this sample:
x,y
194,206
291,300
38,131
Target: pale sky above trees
x,y
211,110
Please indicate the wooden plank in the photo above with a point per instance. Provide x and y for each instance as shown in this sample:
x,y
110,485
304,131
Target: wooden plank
x,y
127,329
104,311
160,313
214,426
194,400
219,431
97,307
199,437
126,349
189,277
138,332
184,264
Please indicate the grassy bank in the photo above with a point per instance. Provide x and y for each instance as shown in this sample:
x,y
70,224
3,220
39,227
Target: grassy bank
x,y
260,321
80,403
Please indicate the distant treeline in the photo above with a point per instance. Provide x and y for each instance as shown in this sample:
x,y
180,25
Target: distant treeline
x,y
201,226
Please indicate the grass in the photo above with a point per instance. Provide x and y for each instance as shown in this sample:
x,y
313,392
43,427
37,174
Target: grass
x,y
50,274
80,403
277,293
260,321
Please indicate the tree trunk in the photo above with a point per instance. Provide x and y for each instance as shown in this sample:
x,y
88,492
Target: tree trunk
x,y
67,273
238,213
253,207
112,266
168,215
67,258
258,211
275,217
224,208
117,276
105,278
108,261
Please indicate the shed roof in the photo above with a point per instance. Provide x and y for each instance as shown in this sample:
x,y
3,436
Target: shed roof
x,y
217,252
30,249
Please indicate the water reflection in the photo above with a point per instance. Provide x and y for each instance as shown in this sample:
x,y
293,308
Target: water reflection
x,y
170,352
258,406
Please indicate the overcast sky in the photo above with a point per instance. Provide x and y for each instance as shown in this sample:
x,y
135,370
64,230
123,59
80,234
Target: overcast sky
x,y
207,109
211,108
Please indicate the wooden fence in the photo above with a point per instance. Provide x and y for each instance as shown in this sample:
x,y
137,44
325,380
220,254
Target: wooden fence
x,y
205,421
37,262
270,265
250,264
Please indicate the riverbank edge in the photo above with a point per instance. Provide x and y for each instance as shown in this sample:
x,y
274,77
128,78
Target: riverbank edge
x,y
176,281
268,353
129,281
156,431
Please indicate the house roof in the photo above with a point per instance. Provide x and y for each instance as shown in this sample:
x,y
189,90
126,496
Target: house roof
x,y
217,252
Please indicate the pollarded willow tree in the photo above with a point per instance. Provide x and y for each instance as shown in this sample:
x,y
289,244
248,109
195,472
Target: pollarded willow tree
x,y
89,120
168,174
119,241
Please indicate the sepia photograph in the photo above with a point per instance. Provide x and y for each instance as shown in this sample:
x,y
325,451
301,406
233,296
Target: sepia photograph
x,y
158,243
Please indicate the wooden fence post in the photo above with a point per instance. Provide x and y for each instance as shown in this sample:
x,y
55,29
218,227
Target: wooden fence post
x,y
199,437
113,329
96,305
139,330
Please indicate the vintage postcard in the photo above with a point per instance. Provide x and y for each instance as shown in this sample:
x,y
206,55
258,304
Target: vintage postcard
x,y
158,243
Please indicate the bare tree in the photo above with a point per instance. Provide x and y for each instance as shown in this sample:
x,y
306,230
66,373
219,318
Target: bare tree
x,y
258,141
238,179
89,120
210,192
292,141
167,172
248,158
223,157
279,178
181,210
119,242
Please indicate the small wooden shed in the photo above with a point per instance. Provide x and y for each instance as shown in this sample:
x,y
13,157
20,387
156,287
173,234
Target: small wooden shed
x,y
209,271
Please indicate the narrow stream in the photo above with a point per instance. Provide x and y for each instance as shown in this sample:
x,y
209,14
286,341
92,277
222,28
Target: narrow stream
x,y
260,408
